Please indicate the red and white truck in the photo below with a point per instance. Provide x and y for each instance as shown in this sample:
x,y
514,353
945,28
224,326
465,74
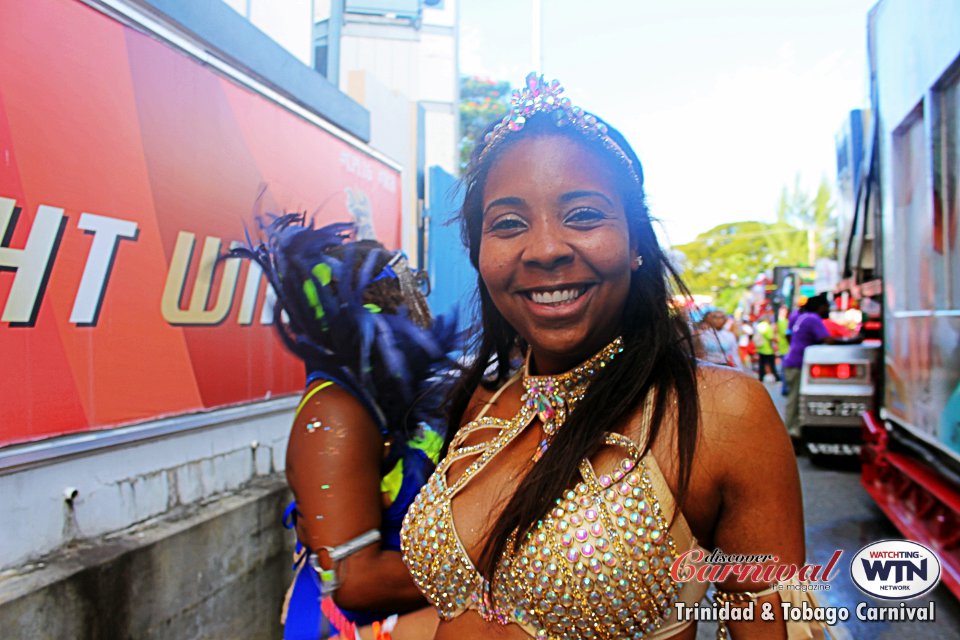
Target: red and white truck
x,y
902,268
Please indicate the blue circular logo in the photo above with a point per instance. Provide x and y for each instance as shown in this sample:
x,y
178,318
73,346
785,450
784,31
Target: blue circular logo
x,y
895,569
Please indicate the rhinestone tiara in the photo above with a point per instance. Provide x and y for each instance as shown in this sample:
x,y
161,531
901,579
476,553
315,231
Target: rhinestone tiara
x,y
539,96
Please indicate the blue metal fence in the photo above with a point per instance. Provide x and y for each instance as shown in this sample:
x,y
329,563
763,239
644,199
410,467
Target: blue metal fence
x,y
453,280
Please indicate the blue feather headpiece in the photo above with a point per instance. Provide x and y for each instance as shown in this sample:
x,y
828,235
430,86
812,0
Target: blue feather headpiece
x,y
399,370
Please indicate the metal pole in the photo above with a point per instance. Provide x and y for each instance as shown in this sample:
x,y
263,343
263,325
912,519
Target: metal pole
x,y
333,44
536,48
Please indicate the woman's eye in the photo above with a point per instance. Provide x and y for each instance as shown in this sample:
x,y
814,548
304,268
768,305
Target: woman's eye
x,y
507,223
584,216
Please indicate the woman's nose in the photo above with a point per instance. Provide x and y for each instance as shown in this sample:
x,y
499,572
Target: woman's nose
x,y
546,247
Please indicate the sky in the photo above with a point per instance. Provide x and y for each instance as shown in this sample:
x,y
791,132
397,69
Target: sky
x,y
726,103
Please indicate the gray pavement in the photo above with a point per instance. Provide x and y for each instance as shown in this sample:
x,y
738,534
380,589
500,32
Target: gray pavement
x,y
838,514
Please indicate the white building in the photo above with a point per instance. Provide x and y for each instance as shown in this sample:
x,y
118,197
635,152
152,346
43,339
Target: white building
x,y
398,58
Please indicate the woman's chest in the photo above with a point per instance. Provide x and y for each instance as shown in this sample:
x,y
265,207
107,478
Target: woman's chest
x,y
480,494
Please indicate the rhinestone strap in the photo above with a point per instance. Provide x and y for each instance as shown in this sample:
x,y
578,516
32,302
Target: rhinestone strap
x,y
597,563
721,597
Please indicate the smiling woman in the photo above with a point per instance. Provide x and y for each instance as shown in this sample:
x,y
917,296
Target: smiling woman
x,y
555,253
588,448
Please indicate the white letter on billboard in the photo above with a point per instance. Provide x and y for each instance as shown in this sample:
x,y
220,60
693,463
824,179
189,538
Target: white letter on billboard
x,y
32,263
250,291
107,233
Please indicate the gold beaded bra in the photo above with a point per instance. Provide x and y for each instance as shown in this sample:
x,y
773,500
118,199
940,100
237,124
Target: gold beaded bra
x,y
596,566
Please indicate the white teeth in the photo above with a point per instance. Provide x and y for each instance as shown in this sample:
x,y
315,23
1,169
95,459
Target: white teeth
x,y
555,297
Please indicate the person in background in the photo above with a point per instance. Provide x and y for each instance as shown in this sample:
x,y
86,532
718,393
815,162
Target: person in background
x,y
793,315
783,346
807,329
837,330
368,430
746,345
716,344
766,340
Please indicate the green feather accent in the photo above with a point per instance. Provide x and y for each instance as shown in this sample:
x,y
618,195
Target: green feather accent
x,y
321,271
431,443
390,483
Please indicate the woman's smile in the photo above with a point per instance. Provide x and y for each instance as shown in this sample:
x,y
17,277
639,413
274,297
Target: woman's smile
x,y
558,302
555,252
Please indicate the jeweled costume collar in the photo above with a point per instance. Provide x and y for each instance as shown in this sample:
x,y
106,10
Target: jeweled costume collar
x,y
552,397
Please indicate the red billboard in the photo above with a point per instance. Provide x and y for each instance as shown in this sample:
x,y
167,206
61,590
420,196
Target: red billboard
x,y
126,167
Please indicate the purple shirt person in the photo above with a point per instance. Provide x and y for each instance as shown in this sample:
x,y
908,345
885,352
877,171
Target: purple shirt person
x,y
808,329
792,318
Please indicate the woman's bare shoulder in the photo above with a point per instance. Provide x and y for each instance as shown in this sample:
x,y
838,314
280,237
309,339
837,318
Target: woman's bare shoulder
x,y
329,414
745,447
738,419
324,399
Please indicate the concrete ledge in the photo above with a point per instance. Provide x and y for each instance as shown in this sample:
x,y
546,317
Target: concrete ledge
x,y
135,474
212,570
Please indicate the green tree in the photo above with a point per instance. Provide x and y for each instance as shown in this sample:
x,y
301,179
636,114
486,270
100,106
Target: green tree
x,y
815,214
727,259
481,102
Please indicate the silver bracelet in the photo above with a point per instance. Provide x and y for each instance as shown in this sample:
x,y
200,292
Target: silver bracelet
x,y
350,547
328,577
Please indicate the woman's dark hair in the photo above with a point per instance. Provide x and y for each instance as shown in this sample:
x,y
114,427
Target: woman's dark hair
x,y
386,293
814,303
658,350
352,311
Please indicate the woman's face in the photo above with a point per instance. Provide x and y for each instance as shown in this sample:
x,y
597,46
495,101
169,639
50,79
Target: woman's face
x,y
555,252
717,319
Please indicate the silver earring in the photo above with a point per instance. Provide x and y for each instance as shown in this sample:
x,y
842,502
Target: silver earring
x,y
638,261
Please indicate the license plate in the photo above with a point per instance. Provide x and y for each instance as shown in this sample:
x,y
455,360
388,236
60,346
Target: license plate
x,y
823,408
833,449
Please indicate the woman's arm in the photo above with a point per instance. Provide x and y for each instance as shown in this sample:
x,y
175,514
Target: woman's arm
x,y
761,509
416,625
333,467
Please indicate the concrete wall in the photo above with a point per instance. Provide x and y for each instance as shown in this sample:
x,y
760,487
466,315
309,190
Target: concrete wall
x,y
129,475
213,570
